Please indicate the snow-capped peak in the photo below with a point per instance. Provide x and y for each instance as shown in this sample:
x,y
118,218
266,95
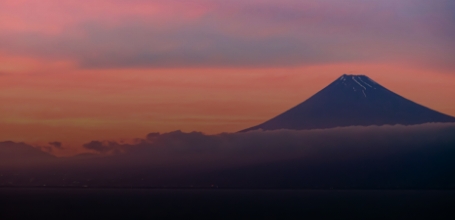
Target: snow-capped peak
x,y
359,83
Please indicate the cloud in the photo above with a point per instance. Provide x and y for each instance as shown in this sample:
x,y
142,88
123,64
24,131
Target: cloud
x,y
238,149
179,157
198,152
252,33
105,147
152,136
56,144
20,154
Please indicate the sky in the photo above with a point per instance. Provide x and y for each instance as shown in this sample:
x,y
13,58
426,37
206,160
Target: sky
x,y
72,71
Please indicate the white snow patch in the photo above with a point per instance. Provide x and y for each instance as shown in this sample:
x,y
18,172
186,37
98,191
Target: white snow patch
x,y
359,83
365,82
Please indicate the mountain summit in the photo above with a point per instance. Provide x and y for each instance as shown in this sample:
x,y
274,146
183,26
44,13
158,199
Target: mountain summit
x,y
353,100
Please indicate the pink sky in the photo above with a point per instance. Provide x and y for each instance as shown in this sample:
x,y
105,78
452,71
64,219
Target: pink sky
x,y
116,70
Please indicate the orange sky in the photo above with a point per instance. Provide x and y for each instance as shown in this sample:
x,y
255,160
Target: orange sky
x,y
116,70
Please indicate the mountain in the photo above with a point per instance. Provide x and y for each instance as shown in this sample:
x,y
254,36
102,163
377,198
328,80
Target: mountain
x,y
353,100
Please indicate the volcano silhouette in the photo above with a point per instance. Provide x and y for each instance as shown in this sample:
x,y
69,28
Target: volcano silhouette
x,y
349,101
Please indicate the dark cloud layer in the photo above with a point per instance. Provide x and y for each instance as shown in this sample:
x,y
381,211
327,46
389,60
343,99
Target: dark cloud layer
x,y
169,157
102,147
236,149
260,146
56,144
21,154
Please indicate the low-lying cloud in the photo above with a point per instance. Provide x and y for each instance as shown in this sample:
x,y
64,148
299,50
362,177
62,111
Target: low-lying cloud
x,y
262,146
239,149
161,158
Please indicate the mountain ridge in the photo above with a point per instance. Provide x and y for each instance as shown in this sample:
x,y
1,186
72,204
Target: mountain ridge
x,y
353,100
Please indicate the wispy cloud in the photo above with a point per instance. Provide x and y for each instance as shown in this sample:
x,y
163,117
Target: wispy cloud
x,y
236,33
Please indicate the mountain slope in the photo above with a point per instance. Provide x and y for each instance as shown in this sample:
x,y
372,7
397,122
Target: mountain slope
x,y
353,100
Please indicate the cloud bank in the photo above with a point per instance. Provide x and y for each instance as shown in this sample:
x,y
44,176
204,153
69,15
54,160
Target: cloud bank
x,y
258,146
235,149
181,158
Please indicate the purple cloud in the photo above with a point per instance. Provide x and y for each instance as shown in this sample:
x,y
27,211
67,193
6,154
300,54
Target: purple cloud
x,y
259,33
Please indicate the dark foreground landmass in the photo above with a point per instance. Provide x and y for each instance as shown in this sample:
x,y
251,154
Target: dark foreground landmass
x,y
224,204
